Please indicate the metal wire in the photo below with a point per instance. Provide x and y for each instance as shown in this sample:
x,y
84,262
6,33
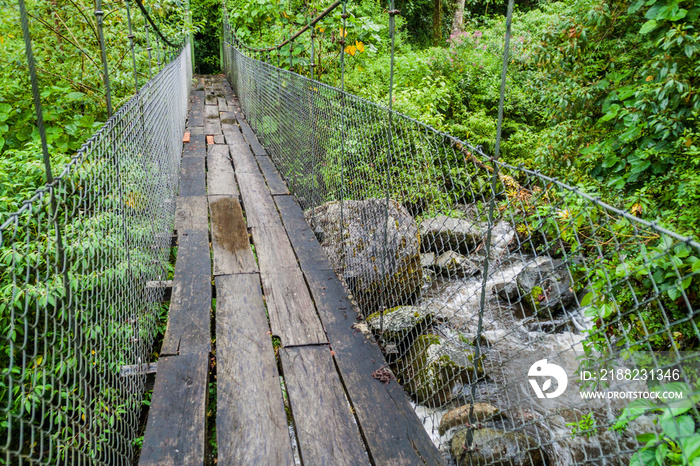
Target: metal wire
x,y
78,318
564,277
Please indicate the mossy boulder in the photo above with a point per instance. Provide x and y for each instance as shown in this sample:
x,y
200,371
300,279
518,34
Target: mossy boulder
x,y
442,233
546,288
496,448
433,367
357,249
452,264
400,321
482,412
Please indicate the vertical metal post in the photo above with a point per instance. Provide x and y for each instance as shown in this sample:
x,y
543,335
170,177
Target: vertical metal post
x,y
343,33
131,44
35,90
149,48
291,49
389,156
99,14
158,53
492,206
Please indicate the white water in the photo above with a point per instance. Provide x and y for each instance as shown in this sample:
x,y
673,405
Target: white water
x,y
512,346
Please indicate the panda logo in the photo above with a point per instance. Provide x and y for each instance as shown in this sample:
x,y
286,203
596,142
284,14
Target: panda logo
x,y
543,369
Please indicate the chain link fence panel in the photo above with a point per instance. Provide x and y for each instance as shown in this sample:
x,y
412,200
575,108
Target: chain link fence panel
x,y
77,318
506,302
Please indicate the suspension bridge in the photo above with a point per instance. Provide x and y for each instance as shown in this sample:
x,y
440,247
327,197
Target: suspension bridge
x,y
261,268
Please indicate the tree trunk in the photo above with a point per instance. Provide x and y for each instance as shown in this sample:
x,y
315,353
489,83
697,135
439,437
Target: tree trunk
x,y
437,22
458,18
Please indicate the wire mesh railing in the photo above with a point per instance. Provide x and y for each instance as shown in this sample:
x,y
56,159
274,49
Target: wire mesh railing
x,y
530,322
77,317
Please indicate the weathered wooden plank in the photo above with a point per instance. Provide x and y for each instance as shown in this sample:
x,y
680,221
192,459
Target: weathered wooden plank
x,y
274,180
220,176
233,137
212,127
330,435
176,428
292,314
230,243
211,112
230,128
210,99
251,421
272,247
191,214
396,437
195,116
243,160
260,210
221,101
192,177
309,252
197,145
188,329
250,136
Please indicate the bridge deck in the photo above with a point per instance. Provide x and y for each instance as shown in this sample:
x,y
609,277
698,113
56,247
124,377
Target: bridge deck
x,y
239,229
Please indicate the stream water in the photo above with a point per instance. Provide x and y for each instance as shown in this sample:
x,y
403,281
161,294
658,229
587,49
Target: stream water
x,y
512,340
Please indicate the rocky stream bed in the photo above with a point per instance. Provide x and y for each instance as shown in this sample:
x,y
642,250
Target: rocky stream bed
x,y
431,287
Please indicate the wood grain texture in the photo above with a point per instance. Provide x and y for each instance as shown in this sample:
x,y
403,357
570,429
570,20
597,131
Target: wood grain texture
x,y
176,428
220,176
211,112
232,252
272,176
221,101
188,329
259,207
309,252
250,136
191,214
396,437
272,246
195,116
243,160
197,147
212,127
251,422
192,177
329,436
292,313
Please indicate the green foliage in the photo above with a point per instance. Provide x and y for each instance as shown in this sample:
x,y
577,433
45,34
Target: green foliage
x,y
586,426
678,442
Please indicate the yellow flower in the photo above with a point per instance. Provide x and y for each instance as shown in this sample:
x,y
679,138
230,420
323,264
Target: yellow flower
x,y
351,50
360,46
343,32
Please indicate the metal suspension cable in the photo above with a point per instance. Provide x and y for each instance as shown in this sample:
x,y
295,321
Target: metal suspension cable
x,y
492,206
309,25
153,24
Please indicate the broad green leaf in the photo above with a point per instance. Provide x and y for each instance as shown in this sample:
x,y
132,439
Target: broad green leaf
x,y
678,427
691,447
648,27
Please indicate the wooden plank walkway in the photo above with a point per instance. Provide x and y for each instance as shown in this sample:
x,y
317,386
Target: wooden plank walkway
x,y
293,379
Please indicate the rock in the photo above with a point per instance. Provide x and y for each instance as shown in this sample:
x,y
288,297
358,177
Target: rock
x,y
400,321
482,412
497,448
453,264
427,259
507,291
546,288
443,233
433,367
360,251
501,236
